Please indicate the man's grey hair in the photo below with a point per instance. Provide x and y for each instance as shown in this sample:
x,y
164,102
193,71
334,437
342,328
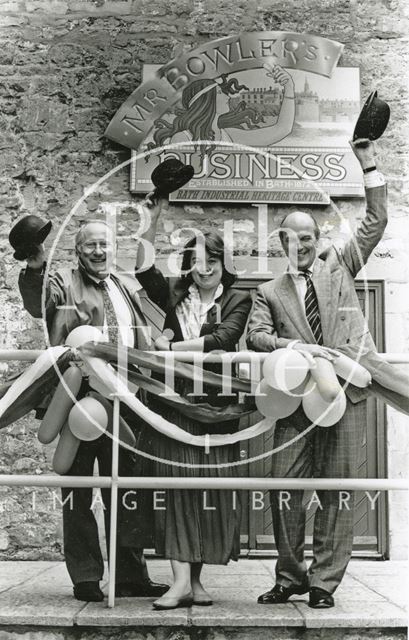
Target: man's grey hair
x,y
79,237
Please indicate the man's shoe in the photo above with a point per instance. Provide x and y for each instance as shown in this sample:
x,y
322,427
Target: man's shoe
x,y
320,599
145,589
88,592
279,594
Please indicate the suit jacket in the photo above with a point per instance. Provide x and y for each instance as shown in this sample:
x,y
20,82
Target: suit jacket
x,y
72,299
279,316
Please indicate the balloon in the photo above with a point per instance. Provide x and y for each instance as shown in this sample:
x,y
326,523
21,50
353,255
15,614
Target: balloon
x,y
65,451
82,334
320,412
88,419
60,405
326,379
126,435
285,369
351,371
276,404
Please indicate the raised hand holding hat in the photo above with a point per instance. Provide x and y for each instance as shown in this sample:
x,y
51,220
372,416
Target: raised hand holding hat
x,y
364,150
170,175
27,235
373,119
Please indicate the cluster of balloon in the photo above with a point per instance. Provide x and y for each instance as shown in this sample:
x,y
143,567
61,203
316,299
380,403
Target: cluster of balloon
x,y
77,420
290,378
279,393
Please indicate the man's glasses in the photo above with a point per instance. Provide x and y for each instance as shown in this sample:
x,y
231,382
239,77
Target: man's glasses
x,y
90,247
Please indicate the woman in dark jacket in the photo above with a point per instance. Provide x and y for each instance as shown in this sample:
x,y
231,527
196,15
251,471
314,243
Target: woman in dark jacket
x,y
203,313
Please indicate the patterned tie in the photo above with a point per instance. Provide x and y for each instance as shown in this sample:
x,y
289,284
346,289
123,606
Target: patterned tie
x,y
110,315
311,309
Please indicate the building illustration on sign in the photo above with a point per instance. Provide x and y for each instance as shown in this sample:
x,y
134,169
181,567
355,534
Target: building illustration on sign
x,y
310,108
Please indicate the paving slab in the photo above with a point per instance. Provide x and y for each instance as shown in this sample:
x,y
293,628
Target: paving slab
x,y
358,593
239,608
239,580
352,614
381,568
244,566
387,579
130,612
14,573
44,599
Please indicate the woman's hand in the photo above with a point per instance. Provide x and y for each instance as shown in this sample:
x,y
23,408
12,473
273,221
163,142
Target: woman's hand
x,y
316,351
149,211
162,343
36,260
154,203
279,75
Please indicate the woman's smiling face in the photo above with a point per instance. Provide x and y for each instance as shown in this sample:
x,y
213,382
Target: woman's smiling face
x,y
207,270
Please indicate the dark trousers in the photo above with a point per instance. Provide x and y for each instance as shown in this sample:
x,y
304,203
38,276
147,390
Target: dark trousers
x,y
82,550
327,453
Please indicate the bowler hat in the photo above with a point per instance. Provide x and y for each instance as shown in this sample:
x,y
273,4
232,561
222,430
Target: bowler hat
x,y
373,119
27,234
170,175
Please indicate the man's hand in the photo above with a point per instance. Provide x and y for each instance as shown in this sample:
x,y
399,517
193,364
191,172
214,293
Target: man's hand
x,y
364,150
316,351
36,260
162,343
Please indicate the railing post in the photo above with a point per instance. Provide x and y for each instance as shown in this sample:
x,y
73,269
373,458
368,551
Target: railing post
x,y
114,504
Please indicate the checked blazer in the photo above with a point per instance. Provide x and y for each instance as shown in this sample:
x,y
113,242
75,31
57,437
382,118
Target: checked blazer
x,y
278,315
278,318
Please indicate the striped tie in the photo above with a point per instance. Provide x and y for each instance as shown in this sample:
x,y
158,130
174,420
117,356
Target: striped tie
x,y
110,315
311,309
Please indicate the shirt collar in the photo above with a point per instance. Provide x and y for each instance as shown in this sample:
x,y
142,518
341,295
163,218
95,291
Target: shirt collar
x,y
193,290
99,280
297,273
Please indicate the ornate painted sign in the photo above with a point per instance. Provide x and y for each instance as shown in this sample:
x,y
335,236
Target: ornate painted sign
x,y
262,117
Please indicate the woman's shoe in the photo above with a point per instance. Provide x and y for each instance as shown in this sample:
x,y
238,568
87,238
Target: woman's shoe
x,y
166,602
202,602
202,599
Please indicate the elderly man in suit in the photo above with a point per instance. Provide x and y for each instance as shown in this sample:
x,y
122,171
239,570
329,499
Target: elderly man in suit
x,y
90,294
313,305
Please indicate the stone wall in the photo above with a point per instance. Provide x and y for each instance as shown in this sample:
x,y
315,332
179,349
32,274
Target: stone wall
x,y
65,68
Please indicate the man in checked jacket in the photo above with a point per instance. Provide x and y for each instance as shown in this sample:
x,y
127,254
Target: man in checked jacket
x,y
315,304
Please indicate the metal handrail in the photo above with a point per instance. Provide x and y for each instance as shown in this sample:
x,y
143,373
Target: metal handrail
x,y
30,355
226,482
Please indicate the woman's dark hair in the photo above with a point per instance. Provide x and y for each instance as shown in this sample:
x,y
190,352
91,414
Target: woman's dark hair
x,y
197,116
196,119
215,247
